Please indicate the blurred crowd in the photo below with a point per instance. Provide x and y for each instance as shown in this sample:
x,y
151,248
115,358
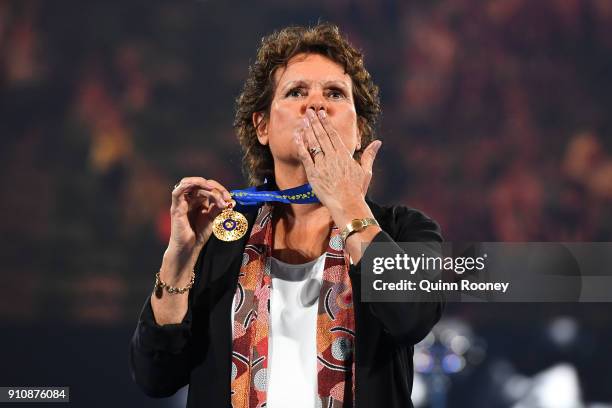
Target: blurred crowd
x,y
495,122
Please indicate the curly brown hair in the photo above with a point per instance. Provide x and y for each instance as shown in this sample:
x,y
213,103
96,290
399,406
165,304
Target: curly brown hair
x,y
275,51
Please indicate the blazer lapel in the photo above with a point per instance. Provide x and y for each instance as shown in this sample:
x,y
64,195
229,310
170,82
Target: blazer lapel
x,y
222,262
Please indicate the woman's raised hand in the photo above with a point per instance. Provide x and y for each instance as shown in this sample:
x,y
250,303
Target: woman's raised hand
x,y
336,177
196,201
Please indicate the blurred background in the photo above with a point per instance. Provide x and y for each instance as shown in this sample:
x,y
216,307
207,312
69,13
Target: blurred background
x,y
496,122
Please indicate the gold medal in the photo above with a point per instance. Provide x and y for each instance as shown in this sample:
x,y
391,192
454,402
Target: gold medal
x,y
230,225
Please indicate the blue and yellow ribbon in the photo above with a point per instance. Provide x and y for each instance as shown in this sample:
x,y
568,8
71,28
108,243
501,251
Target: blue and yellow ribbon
x,y
258,195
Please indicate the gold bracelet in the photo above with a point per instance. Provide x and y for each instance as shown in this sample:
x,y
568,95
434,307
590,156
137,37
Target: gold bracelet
x,y
160,284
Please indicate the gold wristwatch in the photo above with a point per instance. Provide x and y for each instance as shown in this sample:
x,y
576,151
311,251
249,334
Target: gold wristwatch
x,y
358,224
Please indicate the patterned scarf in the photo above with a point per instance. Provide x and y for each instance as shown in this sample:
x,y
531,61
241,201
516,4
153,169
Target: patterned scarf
x,y
335,323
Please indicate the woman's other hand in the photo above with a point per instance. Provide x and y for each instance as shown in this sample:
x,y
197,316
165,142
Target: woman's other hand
x,y
196,201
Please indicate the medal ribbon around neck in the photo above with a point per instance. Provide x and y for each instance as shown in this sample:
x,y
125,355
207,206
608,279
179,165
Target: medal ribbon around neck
x,y
231,225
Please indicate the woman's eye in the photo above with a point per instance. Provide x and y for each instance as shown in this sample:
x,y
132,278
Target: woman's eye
x,y
295,92
336,94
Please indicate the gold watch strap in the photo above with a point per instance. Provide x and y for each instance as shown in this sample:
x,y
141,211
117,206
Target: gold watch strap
x,y
356,225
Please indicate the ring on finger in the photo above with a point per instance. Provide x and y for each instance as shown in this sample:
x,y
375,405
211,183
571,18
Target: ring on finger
x,y
314,151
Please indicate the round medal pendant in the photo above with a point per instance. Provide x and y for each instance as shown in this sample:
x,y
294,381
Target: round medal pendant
x,y
230,225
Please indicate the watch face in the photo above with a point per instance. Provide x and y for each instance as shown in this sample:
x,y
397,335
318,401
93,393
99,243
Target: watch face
x,y
357,225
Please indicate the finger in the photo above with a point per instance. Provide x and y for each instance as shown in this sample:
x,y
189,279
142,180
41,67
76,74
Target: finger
x,y
368,156
199,183
217,197
367,163
329,129
208,184
179,191
224,192
314,126
198,205
213,195
196,198
309,138
186,183
212,210
205,205
200,199
192,193
302,151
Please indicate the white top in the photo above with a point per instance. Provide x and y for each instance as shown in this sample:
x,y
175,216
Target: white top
x,y
292,345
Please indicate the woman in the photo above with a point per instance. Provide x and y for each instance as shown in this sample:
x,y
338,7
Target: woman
x,y
275,318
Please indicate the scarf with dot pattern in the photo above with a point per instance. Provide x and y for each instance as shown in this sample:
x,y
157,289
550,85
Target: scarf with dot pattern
x,y
335,323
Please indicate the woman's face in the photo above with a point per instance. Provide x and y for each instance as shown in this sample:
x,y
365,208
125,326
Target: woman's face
x,y
310,81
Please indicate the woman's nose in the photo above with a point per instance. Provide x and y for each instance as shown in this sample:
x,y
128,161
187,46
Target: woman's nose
x,y
315,100
316,104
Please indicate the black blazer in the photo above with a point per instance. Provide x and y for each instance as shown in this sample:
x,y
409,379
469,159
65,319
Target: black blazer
x,y
197,351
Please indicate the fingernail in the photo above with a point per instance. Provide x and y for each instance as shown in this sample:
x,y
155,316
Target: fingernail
x,y
306,123
377,146
310,113
322,114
